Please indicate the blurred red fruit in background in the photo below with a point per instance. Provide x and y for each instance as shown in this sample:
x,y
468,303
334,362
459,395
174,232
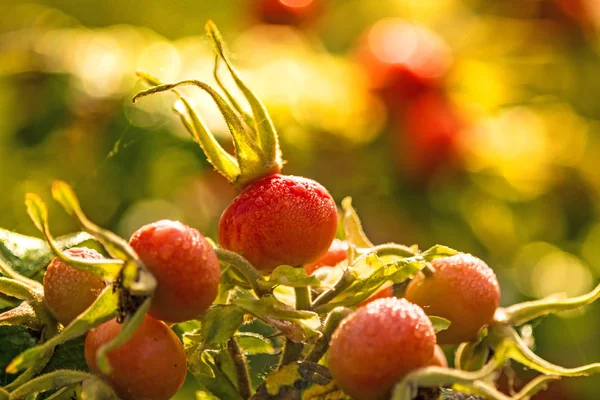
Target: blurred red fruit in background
x,y
402,59
426,135
338,251
287,12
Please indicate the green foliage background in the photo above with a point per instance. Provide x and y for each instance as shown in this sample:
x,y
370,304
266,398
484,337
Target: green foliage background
x,y
525,75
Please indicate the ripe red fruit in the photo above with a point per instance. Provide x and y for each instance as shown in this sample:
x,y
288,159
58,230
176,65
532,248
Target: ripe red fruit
x,y
430,128
462,289
386,291
151,365
376,346
68,291
338,252
279,219
402,59
185,266
287,12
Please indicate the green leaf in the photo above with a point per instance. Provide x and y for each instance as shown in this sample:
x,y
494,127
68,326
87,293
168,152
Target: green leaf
x,y
206,369
103,309
297,325
396,271
294,277
27,255
253,343
439,323
15,340
353,227
438,251
220,323
299,380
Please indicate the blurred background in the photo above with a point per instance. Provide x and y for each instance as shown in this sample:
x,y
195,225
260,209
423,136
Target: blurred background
x,y
473,123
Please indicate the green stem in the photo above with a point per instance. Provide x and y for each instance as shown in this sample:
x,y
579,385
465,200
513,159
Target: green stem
x,y
331,323
303,300
244,267
292,351
341,285
241,370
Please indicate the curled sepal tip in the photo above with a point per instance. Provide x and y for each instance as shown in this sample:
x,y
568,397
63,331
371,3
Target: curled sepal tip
x,y
507,338
263,125
125,333
51,381
38,211
355,235
522,313
103,309
438,376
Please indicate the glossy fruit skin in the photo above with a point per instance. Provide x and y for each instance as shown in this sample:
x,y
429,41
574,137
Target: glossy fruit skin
x,y
150,366
185,266
439,358
377,345
338,252
287,12
462,289
68,291
279,220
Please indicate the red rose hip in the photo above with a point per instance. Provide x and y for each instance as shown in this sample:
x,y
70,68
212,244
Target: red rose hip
x,y
279,220
151,365
185,266
68,291
462,289
373,348
338,252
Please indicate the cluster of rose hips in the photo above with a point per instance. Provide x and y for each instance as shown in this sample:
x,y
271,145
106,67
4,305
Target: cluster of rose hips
x,y
374,344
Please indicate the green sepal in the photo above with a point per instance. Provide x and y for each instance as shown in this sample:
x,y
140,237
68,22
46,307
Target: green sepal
x,y
24,314
52,381
287,275
266,134
128,329
439,323
103,309
522,313
30,372
219,158
28,255
355,235
133,274
506,337
104,268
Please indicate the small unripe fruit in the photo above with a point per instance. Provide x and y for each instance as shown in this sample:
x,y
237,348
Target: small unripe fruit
x,y
462,289
185,266
280,220
373,348
68,291
151,365
338,252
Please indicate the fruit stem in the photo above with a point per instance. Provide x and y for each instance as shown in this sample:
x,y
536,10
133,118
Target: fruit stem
x,y
239,362
331,323
303,300
244,267
341,285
